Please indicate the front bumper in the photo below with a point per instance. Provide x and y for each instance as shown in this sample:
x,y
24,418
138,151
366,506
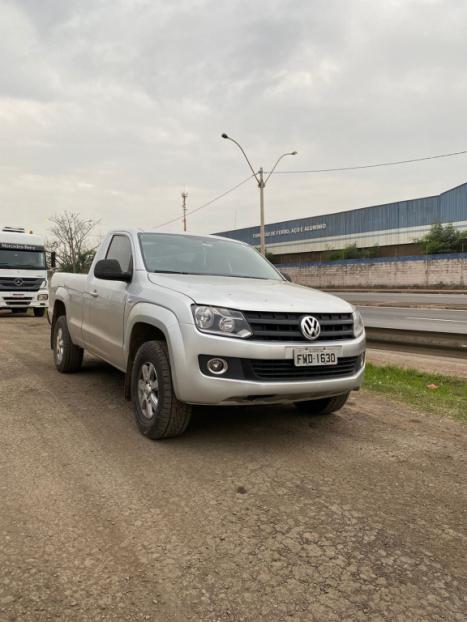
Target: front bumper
x,y
24,299
187,344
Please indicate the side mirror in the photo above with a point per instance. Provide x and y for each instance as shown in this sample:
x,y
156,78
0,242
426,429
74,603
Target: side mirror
x,y
110,270
286,276
53,259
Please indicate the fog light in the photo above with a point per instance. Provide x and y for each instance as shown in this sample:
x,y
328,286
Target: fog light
x,y
217,366
43,297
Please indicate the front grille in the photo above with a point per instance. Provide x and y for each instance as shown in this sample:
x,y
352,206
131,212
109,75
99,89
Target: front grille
x,y
271,326
284,369
17,302
28,283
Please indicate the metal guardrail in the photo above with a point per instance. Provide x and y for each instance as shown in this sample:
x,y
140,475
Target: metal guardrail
x,y
455,342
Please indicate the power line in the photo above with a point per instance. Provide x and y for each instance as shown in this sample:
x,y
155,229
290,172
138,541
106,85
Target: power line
x,y
362,166
317,170
197,209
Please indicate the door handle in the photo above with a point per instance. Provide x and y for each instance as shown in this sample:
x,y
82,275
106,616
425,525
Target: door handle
x,y
94,294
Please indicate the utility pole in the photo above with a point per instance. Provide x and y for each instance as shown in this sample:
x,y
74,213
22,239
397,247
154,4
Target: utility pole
x,y
261,186
259,176
184,197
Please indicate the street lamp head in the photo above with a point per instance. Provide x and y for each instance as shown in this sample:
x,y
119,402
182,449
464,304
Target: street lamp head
x,y
224,135
294,153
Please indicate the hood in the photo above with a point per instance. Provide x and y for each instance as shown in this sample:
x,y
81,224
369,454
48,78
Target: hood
x,y
251,294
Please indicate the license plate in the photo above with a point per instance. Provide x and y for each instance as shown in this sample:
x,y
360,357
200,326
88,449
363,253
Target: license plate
x,y
310,357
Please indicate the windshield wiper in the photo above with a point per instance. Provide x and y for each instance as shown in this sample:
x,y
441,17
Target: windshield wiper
x,y
170,272
24,266
234,276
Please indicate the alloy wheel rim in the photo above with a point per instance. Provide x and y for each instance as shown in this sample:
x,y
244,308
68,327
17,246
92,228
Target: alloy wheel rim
x,y
148,390
60,346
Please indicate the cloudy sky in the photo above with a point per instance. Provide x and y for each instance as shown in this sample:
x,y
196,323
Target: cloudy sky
x,y
112,108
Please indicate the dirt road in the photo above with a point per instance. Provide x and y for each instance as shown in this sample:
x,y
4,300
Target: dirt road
x,y
253,515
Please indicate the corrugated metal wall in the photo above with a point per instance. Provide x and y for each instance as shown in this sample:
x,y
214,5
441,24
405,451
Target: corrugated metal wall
x,y
450,206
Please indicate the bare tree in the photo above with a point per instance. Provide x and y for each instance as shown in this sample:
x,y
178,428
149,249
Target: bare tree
x,y
70,240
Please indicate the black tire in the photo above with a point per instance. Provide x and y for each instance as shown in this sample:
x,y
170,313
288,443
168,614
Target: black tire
x,y
325,406
158,413
67,356
39,311
19,310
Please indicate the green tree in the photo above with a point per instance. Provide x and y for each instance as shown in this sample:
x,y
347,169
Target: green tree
x,y
445,239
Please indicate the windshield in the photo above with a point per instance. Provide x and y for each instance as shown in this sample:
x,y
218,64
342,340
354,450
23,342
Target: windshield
x,y
179,254
24,260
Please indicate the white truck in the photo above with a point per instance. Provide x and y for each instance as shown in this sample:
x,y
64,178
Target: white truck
x,y
204,320
23,271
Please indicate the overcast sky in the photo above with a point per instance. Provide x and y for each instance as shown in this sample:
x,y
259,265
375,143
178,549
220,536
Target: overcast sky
x,y
112,108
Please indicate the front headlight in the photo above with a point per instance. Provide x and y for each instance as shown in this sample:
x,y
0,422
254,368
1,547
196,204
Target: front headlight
x,y
358,326
220,321
43,285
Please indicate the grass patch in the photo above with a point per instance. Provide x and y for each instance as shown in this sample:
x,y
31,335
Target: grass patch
x,y
410,386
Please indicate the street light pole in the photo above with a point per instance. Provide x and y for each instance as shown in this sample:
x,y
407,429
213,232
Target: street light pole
x,y
261,186
259,176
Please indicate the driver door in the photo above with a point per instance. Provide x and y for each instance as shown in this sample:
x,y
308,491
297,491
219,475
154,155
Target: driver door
x,y
105,305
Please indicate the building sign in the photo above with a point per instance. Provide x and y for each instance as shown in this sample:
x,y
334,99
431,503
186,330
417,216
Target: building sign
x,y
292,230
8,246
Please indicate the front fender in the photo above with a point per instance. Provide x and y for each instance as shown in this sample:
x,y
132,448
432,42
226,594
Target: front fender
x,y
164,320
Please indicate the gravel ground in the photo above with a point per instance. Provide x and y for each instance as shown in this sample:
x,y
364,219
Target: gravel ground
x,y
253,515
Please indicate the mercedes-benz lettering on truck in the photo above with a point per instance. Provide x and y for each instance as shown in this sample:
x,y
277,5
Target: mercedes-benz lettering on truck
x,y
204,320
23,271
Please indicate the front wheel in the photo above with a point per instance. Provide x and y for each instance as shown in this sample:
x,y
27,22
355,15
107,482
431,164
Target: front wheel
x,y
158,412
39,311
324,406
67,356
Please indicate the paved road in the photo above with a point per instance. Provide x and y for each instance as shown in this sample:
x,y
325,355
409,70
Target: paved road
x,y
254,515
401,299
434,320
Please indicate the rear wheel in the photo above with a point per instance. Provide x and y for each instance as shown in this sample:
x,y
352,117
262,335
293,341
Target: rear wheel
x,y
324,406
158,412
19,310
67,356
39,311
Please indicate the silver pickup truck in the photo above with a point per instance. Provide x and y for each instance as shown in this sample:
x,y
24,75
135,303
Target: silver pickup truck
x,y
204,320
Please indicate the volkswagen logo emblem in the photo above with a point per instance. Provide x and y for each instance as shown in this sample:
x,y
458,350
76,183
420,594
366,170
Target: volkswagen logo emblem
x,y
18,282
310,327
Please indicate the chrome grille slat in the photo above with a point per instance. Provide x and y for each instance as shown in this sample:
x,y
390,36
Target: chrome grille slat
x,y
29,284
276,326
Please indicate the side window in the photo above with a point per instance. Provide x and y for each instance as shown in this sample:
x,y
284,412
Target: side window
x,y
120,249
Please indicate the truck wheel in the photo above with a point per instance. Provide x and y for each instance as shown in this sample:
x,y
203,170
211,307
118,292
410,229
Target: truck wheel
x,y
324,406
67,356
19,310
158,412
39,311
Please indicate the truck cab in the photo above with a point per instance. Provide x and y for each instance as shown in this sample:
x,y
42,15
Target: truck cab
x,y
23,271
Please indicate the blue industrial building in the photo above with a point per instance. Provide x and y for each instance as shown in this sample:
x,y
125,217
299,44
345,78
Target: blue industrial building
x,y
394,227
